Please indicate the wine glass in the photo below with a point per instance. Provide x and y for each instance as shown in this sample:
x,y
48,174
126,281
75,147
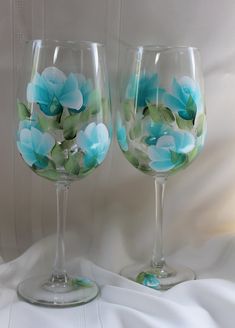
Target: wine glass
x,y
64,132
161,127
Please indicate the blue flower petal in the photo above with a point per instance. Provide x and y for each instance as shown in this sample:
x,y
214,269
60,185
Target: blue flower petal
x,y
167,142
173,103
70,96
36,93
27,153
162,166
184,142
42,142
177,91
54,79
83,141
25,138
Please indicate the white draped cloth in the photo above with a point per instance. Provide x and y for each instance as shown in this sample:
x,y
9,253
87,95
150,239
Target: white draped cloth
x,y
205,302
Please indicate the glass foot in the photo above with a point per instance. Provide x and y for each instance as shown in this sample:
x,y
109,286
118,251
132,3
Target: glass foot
x,y
159,278
58,292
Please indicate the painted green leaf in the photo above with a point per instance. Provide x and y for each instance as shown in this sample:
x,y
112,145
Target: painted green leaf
x,y
47,124
70,125
72,164
161,114
128,109
192,154
144,168
23,111
106,110
85,283
184,124
177,158
49,174
140,277
135,132
67,144
94,102
141,155
58,155
83,117
132,159
191,108
200,124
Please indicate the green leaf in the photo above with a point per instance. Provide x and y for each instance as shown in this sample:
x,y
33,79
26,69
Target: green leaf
x,y
94,102
49,174
128,109
161,114
135,132
177,158
141,155
47,124
58,155
106,110
72,164
184,124
67,144
85,283
23,111
200,124
192,154
191,108
70,125
132,159
144,168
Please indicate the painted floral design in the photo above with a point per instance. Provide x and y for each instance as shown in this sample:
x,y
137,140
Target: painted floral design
x,y
85,87
185,98
52,90
170,148
148,279
35,146
94,141
144,89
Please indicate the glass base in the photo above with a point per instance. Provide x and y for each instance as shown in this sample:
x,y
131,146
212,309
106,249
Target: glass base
x,y
158,277
58,291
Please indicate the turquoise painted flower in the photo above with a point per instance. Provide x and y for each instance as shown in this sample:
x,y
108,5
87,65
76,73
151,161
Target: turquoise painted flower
x,y
35,146
148,279
94,141
52,90
170,148
185,98
121,135
85,86
155,131
144,89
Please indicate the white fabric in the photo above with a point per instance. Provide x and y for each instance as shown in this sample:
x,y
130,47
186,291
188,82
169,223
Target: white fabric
x,y
204,303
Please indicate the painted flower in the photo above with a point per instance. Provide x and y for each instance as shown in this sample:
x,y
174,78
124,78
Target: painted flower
x,y
94,142
85,87
144,89
170,148
35,146
52,90
121,135
148,279
185,98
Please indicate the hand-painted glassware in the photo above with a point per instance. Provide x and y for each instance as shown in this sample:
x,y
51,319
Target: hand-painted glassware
x,y
64,133
161,128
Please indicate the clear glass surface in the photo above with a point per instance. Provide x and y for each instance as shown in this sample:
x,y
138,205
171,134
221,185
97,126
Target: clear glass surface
x,y
161,128
63,134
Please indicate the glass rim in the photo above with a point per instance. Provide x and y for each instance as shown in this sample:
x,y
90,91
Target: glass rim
x,y
62,42
161,48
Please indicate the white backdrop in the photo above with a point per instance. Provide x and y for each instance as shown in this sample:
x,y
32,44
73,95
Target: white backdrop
x,y
111,212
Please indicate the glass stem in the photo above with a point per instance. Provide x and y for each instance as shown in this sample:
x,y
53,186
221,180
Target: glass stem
x,y
158,256
59,274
